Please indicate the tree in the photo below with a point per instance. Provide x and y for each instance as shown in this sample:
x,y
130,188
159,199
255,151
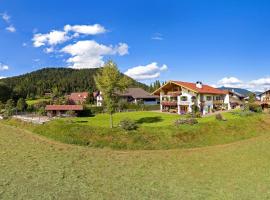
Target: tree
x,y
21,104
252,98
5,92
9,108
109,81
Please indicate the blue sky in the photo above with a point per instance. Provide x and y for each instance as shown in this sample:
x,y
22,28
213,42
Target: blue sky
x,y
217,42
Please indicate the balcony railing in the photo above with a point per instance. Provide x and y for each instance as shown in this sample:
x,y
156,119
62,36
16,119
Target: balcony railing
x,y
169,103
218,101
174,94
184,102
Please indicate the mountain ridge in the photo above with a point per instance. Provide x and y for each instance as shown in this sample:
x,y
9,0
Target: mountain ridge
x,y
65,80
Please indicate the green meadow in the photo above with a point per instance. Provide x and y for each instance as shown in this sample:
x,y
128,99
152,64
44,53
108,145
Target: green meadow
x,y
155,130
35,167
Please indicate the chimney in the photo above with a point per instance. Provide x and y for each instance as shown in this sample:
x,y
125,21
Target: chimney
x,y
199,84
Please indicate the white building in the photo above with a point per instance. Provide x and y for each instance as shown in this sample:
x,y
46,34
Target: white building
x,y
265,96
132,95
179,97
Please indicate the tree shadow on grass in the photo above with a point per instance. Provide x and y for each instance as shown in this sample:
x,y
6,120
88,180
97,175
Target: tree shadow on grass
x,y
149,120
82,121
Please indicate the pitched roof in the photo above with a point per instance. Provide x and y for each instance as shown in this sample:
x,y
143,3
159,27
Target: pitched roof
x,y
137,93
78,96
206,89
63,107
264,92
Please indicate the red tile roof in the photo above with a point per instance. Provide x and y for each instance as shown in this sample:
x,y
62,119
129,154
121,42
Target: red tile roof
x,y
78,96
64,107
206,89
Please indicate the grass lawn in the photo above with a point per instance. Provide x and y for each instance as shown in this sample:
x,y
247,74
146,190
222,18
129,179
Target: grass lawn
x,y
156,130
33,167
35,101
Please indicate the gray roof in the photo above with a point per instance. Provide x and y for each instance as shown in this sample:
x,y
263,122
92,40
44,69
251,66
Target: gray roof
x,y
137,93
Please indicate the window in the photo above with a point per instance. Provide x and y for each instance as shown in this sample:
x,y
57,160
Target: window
x,y
208,98
183,98
193,98
218,98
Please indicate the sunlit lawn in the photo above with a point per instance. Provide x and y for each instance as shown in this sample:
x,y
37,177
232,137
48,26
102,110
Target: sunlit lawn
x,y
155,130
37,168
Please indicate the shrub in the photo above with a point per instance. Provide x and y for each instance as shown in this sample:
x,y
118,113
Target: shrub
x,y
195,108
41,111
189,121
255,107
198,115
246,113
97,109
220,117
128,125
194,115
71,113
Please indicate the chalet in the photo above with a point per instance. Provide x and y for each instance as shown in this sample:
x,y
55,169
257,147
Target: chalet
x,y
236,99
265,99
132,95
78,97
60,110
178,97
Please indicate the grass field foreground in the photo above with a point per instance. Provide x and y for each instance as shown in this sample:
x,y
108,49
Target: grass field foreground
x,y
32,167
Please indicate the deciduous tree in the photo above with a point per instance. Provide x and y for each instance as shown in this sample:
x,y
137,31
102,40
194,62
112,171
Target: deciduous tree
x,y
109,81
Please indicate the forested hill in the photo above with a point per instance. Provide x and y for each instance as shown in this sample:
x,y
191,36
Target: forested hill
x,y
64,80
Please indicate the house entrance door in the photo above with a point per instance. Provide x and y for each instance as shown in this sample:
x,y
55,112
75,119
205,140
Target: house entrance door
x,y
183,109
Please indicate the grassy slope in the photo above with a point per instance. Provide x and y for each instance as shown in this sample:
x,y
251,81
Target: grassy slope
x,y
35,101
156,131
35,168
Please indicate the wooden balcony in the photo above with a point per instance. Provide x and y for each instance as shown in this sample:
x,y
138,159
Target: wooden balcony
x,y
169,103
218,101
174,94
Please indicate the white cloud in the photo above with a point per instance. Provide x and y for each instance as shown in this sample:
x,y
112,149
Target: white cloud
x,y
52,38
83,54
86,29
3,67
11,28
1,77
157,36
90,54
230,82
260,84
146,72
36,60
5,17
49,50
69,32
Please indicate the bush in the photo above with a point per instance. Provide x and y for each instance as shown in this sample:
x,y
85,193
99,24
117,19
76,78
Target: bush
x,y
194,115
41,111
246,113
220,117
189,121
71,113
128,125
97,109
255,107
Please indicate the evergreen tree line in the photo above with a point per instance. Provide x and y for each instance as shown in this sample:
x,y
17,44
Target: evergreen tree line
x,y
58,81
154,86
